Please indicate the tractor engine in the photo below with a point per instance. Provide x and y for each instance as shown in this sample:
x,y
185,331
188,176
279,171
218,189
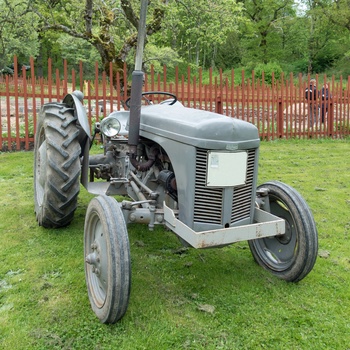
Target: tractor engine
x,y
202,164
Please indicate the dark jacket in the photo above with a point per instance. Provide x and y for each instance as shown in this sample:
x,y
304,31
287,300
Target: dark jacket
x,y
311,92
325,93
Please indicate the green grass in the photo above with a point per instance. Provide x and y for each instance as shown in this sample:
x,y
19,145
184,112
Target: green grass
x,y
180,299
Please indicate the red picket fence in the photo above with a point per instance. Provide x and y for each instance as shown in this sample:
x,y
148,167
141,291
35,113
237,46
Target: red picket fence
x,y
278,110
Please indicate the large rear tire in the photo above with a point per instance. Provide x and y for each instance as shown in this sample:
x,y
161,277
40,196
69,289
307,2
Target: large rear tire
x,y
107,259
56,166
290,256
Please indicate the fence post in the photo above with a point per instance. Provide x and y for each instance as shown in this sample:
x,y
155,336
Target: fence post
x,y
330,118
218,104
280,118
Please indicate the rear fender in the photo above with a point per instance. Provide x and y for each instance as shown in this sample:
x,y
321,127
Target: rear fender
x,y
75,100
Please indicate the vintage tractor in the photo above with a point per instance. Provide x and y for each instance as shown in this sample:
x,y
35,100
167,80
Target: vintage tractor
x,y
193,171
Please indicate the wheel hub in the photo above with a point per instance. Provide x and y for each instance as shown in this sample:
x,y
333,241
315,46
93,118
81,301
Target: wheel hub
x,y
97,263
286,238
94,258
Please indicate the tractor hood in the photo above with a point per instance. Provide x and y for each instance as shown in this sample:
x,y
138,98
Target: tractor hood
x,y
197,127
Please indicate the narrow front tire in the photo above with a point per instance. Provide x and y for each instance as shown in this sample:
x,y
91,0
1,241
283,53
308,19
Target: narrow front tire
x,y
290,256
107,259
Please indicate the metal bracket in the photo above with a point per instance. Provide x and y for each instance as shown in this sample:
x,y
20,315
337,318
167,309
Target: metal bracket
x,y
266,225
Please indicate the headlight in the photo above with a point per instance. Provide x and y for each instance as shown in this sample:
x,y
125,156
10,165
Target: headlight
x,y
110,126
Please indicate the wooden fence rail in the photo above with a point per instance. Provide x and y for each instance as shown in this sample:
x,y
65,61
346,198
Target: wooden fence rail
x,y
279,110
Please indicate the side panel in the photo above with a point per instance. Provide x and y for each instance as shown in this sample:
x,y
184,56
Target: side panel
x,y
183,160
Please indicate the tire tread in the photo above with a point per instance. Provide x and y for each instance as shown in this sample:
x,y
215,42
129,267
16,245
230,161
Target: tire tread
x,y
58,125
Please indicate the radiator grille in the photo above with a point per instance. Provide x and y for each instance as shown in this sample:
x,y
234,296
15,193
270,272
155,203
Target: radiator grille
x,y
208,202
242,195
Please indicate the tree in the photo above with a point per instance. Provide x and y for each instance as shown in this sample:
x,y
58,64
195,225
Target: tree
x,y
195,29
337,11
16,32
102,23
328,33
337,16
265,30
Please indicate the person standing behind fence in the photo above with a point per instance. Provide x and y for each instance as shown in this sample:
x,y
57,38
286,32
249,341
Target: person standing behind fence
x,y
311,96
324,106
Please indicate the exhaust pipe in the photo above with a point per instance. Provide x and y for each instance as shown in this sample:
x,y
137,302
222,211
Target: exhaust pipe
x,y
135,110
136,84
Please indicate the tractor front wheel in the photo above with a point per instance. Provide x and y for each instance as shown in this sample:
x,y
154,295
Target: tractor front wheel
x,y
107,259
290,256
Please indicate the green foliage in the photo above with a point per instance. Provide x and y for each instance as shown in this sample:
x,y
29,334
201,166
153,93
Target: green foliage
x,y
343,127
77,50
298,66
27,130
158,57
17,36
342,67
199,28
266,29
267,71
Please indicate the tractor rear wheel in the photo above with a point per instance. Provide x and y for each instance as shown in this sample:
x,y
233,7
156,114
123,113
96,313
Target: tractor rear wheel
x,y
290,256
107,259
56,166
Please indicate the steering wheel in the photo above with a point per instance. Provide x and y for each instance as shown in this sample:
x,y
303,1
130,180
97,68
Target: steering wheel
x,y
127,102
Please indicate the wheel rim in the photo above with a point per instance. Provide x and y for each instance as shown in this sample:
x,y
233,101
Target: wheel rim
x,y
279,252
41,166
97,261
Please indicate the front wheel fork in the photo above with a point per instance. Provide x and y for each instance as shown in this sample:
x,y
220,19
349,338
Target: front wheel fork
x,y
262,199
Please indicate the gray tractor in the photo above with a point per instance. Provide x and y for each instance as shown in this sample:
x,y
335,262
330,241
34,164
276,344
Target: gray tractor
x,y
193,171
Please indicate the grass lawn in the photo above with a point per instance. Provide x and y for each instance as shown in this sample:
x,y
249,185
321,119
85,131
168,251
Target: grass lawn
x,y
180,299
